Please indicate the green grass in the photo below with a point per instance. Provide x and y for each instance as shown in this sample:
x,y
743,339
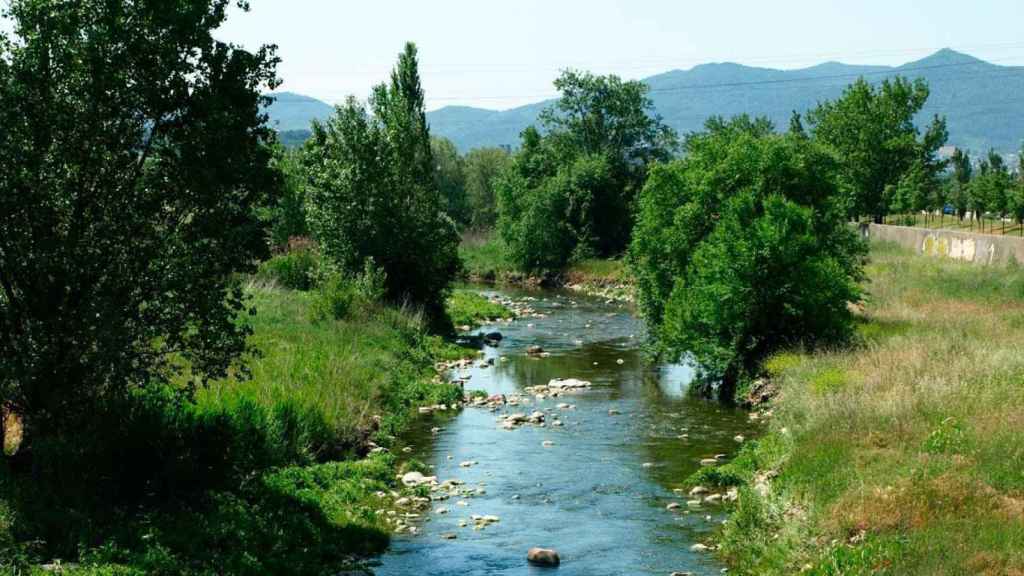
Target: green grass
x,y
376,361
260,476
599,270
485,258
468,308
904,453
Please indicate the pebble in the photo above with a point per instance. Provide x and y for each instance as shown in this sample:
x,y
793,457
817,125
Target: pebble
x,y
699,548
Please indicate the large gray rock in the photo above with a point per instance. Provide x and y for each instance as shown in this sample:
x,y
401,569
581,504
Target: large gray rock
x,y
543,557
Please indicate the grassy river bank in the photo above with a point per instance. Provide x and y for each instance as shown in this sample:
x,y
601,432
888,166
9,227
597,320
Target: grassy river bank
x,y
903,454
287,472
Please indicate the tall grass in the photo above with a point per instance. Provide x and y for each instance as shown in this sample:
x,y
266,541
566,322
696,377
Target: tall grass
x,y
362,374
262,475
485,256
905,454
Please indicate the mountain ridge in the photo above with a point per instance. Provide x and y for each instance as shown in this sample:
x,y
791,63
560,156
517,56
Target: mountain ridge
x,y
978,98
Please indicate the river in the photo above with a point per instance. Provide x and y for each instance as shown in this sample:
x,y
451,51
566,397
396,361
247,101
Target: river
x,y
595,489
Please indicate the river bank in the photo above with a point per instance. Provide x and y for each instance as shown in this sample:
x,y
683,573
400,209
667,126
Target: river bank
x,y
903,454
486,262
291,471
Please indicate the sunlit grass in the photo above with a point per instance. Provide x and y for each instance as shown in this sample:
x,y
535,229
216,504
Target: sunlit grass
x,y
468,308
375,363
904,453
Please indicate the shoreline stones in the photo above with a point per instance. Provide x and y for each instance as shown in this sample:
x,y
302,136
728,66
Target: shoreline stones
x,y
543,557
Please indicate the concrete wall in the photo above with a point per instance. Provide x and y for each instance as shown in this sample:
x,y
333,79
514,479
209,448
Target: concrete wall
x,y
963,246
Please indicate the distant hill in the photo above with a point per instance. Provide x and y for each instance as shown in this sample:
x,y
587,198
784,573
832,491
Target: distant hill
x,y
982,102
293,112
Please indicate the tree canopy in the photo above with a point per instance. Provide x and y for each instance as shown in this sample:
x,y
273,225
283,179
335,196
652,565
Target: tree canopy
x,y
871,129
373,192
133,158
741,248
575,179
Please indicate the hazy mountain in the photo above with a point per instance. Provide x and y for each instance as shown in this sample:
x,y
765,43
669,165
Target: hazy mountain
x,y
982,101
291,111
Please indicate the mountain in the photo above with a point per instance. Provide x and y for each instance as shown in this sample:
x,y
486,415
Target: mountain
x,y
290,111
981,101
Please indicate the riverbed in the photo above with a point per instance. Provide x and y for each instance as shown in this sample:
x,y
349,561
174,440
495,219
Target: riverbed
x,y
596,488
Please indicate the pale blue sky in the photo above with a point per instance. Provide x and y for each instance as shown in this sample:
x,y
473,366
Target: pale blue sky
x,y
498,54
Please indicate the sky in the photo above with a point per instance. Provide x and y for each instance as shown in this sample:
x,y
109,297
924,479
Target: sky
x,y
503,53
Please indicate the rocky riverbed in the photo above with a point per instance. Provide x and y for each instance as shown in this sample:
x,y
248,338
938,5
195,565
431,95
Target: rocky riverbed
x,y
571,445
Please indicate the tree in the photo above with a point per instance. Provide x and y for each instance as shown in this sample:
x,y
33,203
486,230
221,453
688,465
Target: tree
x,y
1016,195
872,131
962,172
796,125
133,160
373,195
741,248
287,218
451,179
482,167
599,122
991,188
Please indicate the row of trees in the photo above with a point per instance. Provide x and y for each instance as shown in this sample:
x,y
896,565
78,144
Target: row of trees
x,y
741,245
467,182
968,190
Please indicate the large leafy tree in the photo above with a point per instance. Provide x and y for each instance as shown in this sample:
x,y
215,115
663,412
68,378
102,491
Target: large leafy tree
x,y
871,129
133,157
741,248
598,123
372,193
482,167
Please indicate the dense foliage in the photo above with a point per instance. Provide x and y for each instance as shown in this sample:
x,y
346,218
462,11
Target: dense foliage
x,y
450,174
742,247
871,128
372,192
482,168
133,159
569,191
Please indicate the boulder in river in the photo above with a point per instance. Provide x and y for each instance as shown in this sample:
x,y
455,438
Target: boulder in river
x,y
543,557
534,350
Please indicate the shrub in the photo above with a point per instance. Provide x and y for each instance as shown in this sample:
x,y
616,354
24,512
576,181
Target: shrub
x,y
295,270
334,299
742,249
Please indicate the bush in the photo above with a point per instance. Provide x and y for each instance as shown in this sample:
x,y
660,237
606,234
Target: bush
x,y
742,249
295,270
334,299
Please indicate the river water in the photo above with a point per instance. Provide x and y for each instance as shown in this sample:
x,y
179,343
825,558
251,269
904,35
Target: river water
x,y
597,493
